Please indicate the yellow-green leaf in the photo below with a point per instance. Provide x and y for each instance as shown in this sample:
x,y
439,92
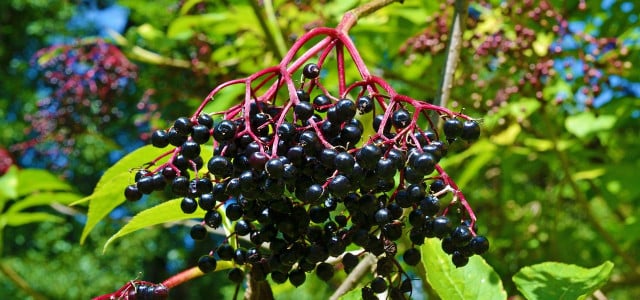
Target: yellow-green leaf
x,y
22,218
9,185
31,180
586,123
45,198
553,280
476,280
162,213
108,193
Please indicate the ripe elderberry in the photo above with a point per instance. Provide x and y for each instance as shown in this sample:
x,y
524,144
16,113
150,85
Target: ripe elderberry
x,y
310,71
236,275
207,263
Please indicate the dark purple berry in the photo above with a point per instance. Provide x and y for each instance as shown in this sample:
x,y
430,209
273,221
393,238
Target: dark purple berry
x,y
198,232
365,104
340,186
236,275
441,226
297,277
160,139
401,118
378,285
132,193
303,111
321,103
368,156
206,120
345,110
207,263
145,185
310,71
470,130
224,131
479,244
324,271
461,235
213,219
411,256
188,205
458,259
225,252
183,126
200,134
303,96
452,128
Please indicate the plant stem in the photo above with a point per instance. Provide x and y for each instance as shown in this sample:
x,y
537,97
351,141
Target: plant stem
x,y
182,277
193,273
355,276
453,52
278,37
275,40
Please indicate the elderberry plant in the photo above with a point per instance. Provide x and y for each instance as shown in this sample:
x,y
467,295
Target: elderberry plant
x,y
305,170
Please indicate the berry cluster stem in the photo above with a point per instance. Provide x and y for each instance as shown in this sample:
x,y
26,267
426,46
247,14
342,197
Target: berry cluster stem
x,y
453,52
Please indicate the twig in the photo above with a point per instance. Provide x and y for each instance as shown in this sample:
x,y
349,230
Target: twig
x,y
275,42
355,276
453,52
257,290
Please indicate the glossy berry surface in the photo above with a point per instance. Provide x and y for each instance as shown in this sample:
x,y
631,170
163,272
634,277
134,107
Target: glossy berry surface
x,y
207,263
311,71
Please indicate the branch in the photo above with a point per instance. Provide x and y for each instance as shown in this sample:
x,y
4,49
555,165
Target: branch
x,y
271,30
355,276
453,52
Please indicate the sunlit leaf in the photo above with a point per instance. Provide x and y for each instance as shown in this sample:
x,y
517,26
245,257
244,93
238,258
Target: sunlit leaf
x,y
46,198
476,280
31,180
553,280
9,185
355,294
163,213
22,218
184,26
586,123
108,193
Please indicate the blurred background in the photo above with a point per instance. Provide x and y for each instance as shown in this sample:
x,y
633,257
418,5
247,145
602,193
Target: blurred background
x,y
83,83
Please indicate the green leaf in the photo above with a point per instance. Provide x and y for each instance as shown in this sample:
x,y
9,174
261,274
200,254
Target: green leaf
x,y
183,27
355,294
553,280
108,193
32,180
20,218
187,5
586,123
162,213
9,185
477,280
47,198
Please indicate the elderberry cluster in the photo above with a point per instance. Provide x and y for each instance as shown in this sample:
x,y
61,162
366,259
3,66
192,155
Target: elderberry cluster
x,y
299,181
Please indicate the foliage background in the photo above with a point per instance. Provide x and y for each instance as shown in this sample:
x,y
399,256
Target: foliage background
x,y
552,178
